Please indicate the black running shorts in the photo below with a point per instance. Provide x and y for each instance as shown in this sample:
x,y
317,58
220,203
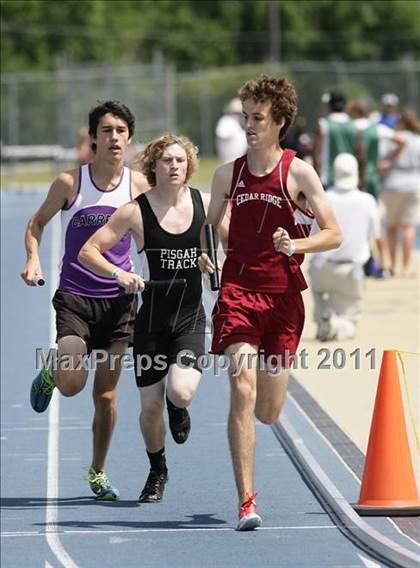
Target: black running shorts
x,y
157,345
99,321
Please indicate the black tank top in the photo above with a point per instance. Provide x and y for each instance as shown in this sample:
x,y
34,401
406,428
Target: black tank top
x,y
171,256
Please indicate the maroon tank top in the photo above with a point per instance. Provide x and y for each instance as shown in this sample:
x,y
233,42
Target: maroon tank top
x,y
259,206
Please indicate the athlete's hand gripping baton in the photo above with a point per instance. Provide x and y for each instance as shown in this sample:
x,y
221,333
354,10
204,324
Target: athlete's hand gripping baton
x,y
159,284
212,253
38,281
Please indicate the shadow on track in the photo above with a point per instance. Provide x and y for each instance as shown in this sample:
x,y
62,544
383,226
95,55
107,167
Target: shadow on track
x,y
42,502
201,521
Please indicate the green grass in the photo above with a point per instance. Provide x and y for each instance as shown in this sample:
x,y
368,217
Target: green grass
x,y
21,177
45,173
203,176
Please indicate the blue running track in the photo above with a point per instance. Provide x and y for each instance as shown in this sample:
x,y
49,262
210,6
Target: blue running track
x,y
49,518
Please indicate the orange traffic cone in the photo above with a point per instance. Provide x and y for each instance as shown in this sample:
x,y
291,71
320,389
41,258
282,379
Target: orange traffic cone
x,y
388,484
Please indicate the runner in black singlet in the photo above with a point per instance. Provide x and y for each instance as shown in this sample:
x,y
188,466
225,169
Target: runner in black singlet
x,y
170,320
170,326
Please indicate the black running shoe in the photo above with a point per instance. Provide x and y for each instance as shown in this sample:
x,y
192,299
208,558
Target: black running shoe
x,y
179,422
154,487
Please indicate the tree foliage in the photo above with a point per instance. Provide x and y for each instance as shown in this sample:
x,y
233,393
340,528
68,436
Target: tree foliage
x,y
38,34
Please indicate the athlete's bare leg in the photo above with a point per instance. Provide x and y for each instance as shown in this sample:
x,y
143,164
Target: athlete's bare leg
x,y
271,395
241,423
105,401
182,385
70,377
152,426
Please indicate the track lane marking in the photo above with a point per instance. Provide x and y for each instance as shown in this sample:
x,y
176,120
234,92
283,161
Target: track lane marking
x,y
51,513
157,530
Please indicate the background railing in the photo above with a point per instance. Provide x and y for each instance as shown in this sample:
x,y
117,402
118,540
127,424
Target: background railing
x,y
49,107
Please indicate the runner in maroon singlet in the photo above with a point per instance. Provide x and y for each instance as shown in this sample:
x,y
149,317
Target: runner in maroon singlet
x,y
259,313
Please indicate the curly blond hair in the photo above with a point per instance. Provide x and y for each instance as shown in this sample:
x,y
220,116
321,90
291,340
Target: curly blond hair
x,y
280,92
146,160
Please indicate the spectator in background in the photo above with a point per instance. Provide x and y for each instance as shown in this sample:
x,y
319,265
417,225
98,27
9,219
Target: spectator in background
x,y
337,277
298,139
401,191
390,114
372,135
230,135
335,134
84,152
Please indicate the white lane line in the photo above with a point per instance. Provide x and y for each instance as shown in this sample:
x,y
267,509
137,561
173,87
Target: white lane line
x,y
28,428
183,530
366,534
9,455
118,540
369,563
397,528
340,458
51,515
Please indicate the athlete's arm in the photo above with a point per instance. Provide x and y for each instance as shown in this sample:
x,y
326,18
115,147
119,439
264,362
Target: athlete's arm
x,y
139,183
387,133
223,229
317,150
59,195
219,198
361,159
126,219
304,177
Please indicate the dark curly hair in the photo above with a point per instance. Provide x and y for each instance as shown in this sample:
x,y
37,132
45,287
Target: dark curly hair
x,y
146,160
280,92
116,108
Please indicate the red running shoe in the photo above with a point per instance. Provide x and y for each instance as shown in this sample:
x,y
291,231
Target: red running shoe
x,y
248,516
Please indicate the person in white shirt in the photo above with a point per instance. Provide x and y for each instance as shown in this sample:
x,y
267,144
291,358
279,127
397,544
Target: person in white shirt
x,y
230,135
374,137
337,277
401,193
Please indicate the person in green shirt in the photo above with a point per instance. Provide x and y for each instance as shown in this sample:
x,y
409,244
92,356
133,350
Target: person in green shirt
x,y
336,134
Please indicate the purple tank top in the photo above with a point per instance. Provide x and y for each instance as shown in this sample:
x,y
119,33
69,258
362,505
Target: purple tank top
x,y
90,210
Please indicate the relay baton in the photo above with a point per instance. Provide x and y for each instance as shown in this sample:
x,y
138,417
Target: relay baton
x,y
161,284
171,283
38,281
211,247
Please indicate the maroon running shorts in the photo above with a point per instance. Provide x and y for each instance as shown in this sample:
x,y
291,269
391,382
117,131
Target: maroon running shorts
x,y
273,322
